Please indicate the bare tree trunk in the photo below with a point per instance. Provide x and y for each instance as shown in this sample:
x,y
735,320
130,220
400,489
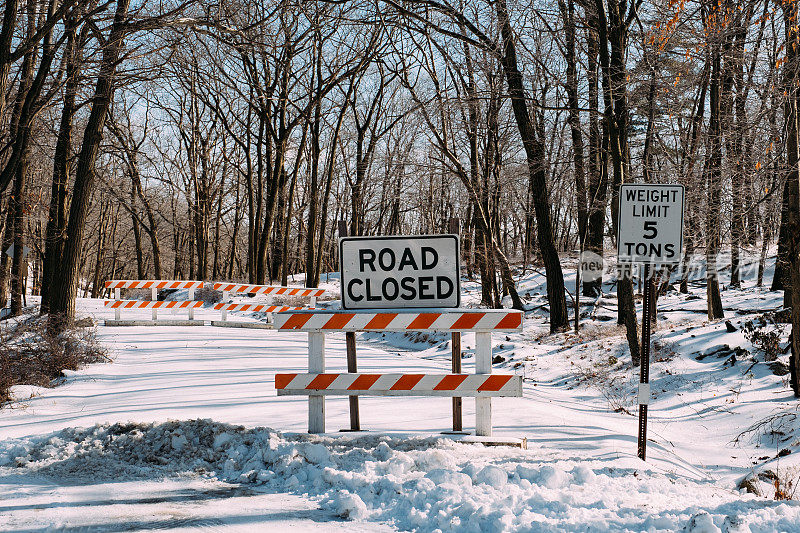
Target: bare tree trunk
x,y
21,127
792,190
19,261
5,260
779,279
535,154
714,184
65,284
598,166
57,215
568,14
613,29
102,230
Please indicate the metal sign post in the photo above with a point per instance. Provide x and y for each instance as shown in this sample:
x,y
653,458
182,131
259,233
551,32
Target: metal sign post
x,y
644,368
650,231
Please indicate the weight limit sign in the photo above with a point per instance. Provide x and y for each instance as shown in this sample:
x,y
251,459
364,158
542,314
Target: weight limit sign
x,y
650,232
650,228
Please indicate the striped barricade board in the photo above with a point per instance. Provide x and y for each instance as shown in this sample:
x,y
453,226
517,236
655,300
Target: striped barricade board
x,y
272,290
224,308
152,284
255,308
444,320
477,385
244,288
153,304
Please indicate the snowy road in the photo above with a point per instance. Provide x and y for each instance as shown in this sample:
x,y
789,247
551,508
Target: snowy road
x,y
581,470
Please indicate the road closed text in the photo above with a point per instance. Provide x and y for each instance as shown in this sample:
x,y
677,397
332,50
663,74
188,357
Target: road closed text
x,y
397,272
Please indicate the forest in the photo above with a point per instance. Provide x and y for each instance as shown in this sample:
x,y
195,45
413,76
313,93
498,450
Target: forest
x,y
237,139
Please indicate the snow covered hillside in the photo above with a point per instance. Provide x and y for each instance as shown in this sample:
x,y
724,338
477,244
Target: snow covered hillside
x,y
184,431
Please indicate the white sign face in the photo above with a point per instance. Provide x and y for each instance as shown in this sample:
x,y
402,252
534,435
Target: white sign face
x,y
10,251
650,228
397,272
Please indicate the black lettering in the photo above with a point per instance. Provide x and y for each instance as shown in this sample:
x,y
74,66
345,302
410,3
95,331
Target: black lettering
x,y
669,251
385,288
423,286
628,248
387,252
410,292
630,194
427,265
370,296
366,257
440,294
350,292
407,260
651,231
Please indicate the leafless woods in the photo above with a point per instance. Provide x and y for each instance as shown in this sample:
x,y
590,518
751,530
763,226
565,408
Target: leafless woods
x,y
225,140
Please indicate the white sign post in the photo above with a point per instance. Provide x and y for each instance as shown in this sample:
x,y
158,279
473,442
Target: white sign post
x,y
404,271
650,231
11,250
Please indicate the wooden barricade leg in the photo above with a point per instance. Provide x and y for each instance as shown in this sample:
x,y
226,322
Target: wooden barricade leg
x,y
191,298
483,365
316,365
350,338
313,303
224,311
116,309
352,367
154,297
454,227
455,345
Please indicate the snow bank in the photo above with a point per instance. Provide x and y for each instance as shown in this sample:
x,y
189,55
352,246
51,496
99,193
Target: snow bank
x,y
419,484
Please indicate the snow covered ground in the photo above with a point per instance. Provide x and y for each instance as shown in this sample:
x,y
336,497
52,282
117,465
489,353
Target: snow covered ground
x,y
184,431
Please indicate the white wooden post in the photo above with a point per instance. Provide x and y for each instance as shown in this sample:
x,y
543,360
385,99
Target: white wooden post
x,y
191,298
316,365
225,296
269,318
483,365
224,311
313,302
154,297
116,310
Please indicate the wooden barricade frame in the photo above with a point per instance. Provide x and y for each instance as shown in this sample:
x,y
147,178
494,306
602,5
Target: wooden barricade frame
x,y
154,285
317,384
246,288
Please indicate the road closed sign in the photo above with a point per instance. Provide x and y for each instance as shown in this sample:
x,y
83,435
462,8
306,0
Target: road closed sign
x,y
650,228
398,272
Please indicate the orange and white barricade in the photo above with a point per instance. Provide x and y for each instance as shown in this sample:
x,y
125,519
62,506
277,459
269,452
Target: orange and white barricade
x,y
275,290
317,384
154,285
251,308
